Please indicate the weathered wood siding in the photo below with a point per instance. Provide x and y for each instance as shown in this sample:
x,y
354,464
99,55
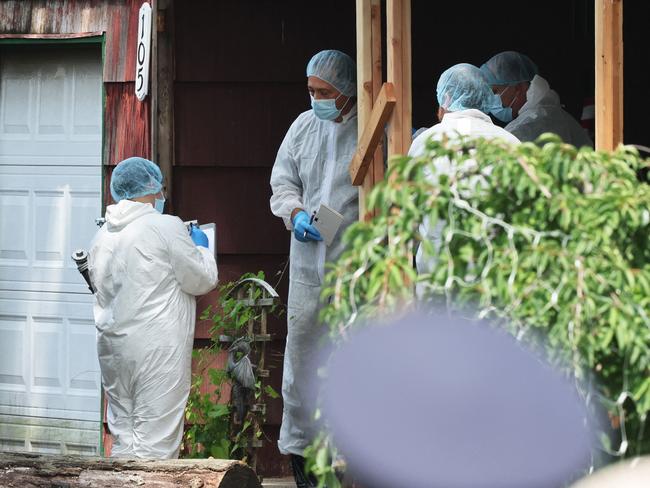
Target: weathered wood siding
x,y
118,19
127,121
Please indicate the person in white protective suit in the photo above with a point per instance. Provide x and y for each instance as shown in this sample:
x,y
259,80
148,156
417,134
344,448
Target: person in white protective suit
x,y
146,269
311,168
529,106
464,99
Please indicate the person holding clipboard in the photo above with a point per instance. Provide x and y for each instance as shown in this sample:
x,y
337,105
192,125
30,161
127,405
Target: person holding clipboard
x,y
313,194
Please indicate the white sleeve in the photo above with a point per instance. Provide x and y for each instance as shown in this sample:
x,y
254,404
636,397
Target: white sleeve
x,y
285,181
194,267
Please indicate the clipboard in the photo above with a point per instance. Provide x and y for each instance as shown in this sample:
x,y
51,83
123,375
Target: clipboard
x,y
327,221
210,231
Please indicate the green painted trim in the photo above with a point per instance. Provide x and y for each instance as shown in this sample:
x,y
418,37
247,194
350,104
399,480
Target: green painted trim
x,y
104,156
102,449
33,41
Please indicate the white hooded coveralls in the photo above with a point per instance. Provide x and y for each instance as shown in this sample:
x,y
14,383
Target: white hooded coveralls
x,y
146,271
542,113
311,168
471,123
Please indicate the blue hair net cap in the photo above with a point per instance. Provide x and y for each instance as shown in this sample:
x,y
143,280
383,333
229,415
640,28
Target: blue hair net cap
x,y
336,68
463,87
135,177
509,68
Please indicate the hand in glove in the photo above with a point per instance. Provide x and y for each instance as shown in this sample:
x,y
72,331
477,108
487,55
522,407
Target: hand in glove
x,y
198,236
303,230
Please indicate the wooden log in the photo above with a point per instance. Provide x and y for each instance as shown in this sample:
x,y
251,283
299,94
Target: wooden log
x,y
36,470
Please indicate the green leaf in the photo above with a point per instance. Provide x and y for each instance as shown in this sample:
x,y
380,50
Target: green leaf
x,y
268,389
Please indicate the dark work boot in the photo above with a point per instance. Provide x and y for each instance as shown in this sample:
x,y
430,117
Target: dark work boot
x,y
303,480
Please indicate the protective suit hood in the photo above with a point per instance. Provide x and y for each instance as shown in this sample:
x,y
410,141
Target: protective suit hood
x,y
540,93
542,113
123,213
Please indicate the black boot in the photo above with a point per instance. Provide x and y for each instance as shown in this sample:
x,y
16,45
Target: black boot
x,y
303,480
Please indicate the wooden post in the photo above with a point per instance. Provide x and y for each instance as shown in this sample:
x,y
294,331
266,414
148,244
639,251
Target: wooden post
x,y
609,73
399,73
163,116
369,81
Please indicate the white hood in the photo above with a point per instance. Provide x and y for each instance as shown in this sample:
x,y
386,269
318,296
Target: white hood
x,y
540,93
123,213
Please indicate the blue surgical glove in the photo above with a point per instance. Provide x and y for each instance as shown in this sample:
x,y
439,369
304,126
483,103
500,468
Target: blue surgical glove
x,y
303,230
198,236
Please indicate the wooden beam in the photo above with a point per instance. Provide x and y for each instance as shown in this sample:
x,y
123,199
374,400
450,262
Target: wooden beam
x,y
398,21
376,168
369,82
372,133
609,73
364,64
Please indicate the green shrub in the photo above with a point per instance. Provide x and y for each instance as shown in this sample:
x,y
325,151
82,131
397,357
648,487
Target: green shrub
x,y
551,239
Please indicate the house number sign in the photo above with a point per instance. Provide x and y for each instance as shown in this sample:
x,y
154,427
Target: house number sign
x,y
143,52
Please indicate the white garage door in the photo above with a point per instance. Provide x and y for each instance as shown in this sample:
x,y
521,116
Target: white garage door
x,y
50,195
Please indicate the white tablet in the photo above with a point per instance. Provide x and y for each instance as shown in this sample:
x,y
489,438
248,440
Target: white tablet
x,y
327,221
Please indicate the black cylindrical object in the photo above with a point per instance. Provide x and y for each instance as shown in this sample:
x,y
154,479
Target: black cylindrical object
x,y
80,257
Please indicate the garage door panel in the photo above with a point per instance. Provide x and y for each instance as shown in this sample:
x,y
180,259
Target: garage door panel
x,y
86,113
17,107
46,213
50,107
48,435
31,152
48,344
13,376
49,229
83,212
52,96
57,368
14,218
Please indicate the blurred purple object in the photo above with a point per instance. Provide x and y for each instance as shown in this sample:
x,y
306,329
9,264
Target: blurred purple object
x,y
440,401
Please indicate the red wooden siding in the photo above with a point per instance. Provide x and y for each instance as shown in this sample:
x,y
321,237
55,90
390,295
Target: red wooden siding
x,y
119,19
241,124
127,124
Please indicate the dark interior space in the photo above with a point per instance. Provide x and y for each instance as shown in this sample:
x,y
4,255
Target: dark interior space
x,y
240,82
